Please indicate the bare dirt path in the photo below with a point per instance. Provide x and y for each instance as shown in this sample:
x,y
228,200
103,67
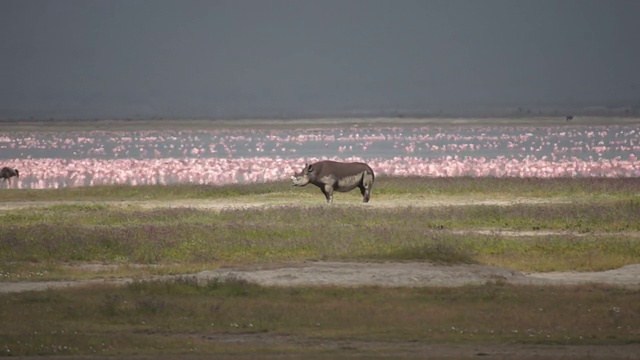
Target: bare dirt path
x,y
413,274
253,203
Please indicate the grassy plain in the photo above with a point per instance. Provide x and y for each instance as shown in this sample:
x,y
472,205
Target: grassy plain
x,y
554,224
589,224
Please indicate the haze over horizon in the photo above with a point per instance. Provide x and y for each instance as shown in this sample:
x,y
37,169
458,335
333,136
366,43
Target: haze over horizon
x,y
284,58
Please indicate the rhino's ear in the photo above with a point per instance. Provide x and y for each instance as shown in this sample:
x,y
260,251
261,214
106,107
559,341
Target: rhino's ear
x,y
309,168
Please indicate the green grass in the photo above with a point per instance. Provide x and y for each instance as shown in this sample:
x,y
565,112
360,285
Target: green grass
x,y
596,230
385,188
510,188
144,192
99,233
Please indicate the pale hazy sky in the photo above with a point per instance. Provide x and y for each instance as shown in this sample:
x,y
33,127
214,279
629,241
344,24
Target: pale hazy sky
x,y
127,58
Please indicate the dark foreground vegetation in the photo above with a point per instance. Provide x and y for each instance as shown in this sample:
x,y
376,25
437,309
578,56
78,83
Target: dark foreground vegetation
x,y
182,317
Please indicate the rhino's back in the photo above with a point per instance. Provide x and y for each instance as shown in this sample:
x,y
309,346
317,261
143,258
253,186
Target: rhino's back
x,y
341,170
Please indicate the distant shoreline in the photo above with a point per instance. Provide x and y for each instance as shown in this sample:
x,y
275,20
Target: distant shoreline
x,y
304,123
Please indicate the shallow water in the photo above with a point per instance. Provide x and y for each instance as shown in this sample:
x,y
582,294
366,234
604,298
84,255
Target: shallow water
x,y
606,142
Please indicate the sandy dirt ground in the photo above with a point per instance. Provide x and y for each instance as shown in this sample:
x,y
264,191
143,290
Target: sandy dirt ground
x,y
266,203
353,274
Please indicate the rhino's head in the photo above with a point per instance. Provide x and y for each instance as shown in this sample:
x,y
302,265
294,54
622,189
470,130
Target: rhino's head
x,y
304,177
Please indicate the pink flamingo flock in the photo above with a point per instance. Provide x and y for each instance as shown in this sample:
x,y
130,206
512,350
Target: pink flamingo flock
x,y
250,156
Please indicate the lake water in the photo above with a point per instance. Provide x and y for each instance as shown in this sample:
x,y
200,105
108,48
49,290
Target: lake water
x,y
58,159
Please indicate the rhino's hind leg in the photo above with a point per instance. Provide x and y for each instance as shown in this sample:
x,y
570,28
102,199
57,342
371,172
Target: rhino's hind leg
x,y
328,193
365,188
366,194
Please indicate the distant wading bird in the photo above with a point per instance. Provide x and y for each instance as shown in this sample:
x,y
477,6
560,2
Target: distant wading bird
x,y
332,176
7,173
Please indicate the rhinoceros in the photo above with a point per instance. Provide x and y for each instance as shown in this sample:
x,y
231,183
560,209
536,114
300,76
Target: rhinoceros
x,y
332,176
